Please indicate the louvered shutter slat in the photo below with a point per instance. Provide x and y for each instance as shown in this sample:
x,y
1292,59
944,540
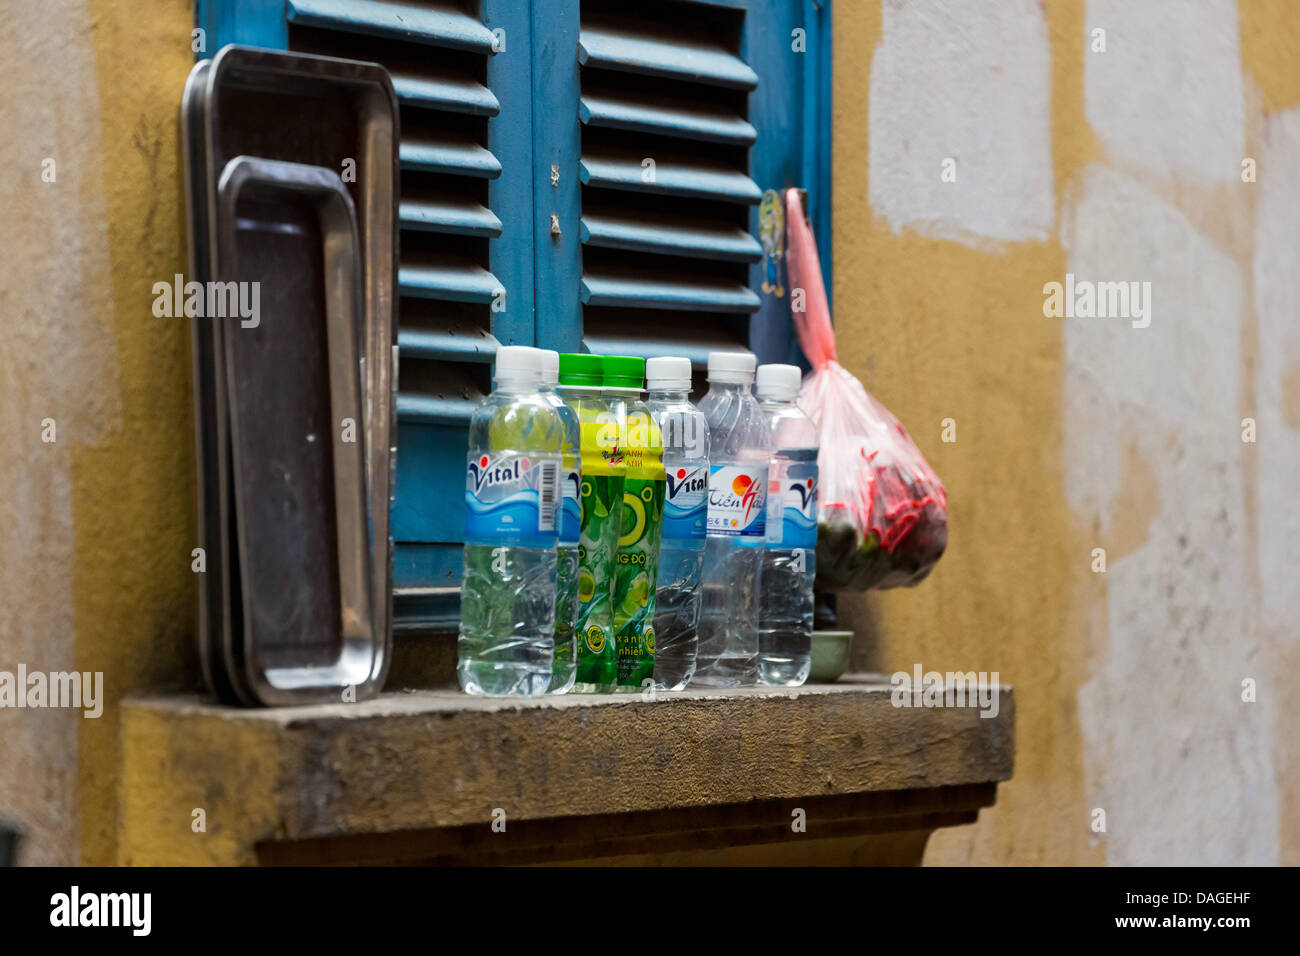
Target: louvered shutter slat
x,y
452,214
443,25
468,346
651,293
645,115
674,57
682,237
448,152
673,177
456,94
448,277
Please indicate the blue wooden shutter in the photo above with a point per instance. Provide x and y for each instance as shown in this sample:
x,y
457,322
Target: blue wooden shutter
x,y
462,75
525,124
657,141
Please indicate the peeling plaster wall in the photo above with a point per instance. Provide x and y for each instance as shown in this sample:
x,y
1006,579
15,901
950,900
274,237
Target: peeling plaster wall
x,y
1083,433
987,112
58,362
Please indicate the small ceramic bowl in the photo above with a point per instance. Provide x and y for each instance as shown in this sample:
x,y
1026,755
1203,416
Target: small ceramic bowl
x,y
830,655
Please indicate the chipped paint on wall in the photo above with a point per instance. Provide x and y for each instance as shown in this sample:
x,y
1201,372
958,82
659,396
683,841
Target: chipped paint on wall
x,y
1132,436
937,328
58,362
960,120
1275,405
1180,764
1166,94
1277,304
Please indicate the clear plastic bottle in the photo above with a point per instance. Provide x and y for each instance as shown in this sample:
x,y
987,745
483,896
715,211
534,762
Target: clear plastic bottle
x,y
512,497
739,452
685,434
570,525
790,555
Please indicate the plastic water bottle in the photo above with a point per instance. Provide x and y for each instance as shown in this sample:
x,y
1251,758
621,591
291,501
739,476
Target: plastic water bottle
x,y
640,525
739,452
790,556
512,494
685,434
602,430
570,525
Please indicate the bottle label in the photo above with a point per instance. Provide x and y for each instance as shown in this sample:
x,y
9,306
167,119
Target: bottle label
x,y
511,498
738,500
792,511
686,506
601,501
640,530
635,577
571,508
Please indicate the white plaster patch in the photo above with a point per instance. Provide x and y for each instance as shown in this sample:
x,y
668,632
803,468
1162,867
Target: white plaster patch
x,y
1182,767
58,361
1277,305
970,81
1166,95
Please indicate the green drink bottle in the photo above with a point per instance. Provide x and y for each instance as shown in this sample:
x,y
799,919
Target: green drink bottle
x,y
601,430
641,526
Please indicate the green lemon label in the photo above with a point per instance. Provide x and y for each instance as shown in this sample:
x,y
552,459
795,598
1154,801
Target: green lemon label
x,y
601,501
640,529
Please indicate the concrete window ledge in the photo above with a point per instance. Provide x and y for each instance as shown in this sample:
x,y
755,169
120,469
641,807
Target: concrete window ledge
x,y
696,777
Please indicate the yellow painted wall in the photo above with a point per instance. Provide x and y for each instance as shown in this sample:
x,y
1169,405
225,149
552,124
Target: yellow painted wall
x,y
133,492
98,527
938,329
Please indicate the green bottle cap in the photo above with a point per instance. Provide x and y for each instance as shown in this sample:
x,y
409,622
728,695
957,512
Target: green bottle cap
x,y
580,368
624,371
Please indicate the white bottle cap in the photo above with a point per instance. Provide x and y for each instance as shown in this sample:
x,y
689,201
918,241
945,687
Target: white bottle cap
x,y
731,367
550,366
668,373
778,382
518,362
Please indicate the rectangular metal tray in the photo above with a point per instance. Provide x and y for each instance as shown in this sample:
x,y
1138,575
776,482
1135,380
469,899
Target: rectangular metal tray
x,y
296,430
317,111
212,448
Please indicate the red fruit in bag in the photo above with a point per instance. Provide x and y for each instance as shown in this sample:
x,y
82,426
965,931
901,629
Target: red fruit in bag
x,y
882,518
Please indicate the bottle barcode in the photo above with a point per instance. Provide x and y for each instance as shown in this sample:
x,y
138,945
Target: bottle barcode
x,y
547,493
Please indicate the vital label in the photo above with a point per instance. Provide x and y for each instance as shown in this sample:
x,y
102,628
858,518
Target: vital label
x,y
686,505
511,499
792,507
738,500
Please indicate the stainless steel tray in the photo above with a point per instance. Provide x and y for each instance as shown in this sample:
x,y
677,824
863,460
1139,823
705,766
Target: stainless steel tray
x,y
294,399
316,111
212,447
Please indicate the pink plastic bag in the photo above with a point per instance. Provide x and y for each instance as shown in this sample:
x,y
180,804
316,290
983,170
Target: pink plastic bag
x,y
882,515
